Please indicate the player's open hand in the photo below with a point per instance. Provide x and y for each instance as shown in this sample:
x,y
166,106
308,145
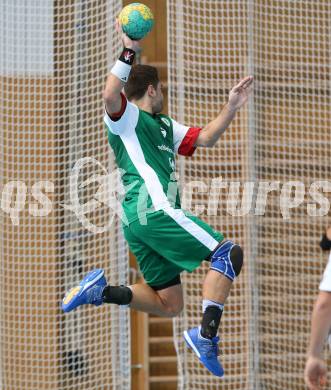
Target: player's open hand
x,y
127,42
315,373
239,94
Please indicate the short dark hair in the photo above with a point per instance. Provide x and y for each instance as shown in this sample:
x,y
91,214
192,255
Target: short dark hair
x,y
141,76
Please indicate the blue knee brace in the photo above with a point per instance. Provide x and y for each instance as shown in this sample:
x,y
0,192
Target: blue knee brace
x,y
227,259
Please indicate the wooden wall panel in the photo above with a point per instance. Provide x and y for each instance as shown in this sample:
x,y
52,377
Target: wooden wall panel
x,y
44,122
29,345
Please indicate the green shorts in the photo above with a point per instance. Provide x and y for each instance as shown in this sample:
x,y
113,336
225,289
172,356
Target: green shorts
x,y
172,241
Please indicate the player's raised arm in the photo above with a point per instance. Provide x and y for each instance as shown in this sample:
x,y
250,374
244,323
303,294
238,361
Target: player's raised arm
x,y
238,96
119,74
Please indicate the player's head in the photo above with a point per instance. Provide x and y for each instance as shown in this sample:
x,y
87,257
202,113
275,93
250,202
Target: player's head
x,y
144,83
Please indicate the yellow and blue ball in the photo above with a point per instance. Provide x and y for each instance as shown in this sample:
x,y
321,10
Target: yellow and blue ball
x,y
137,20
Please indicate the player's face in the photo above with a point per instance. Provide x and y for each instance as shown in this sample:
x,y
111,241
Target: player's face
x,y
157,104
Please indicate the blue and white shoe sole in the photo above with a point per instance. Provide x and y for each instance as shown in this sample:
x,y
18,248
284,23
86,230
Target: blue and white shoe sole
x,y
190,343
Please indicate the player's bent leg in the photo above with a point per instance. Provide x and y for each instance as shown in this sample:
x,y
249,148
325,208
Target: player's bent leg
x,y
163,300
226,263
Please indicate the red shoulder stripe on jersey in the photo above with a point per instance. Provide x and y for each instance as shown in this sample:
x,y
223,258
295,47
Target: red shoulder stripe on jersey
x,y
117,115
187,148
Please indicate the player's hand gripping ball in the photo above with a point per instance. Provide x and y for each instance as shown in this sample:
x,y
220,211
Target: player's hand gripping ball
x,y
137,20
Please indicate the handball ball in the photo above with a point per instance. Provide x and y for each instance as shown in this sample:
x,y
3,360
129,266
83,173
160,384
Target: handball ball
x,y
137,20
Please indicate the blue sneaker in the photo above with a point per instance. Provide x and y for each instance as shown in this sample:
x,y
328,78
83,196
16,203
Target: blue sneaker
x,y
89,290
205,349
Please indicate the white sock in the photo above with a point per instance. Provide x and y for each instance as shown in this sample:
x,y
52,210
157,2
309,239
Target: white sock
x,y
207,302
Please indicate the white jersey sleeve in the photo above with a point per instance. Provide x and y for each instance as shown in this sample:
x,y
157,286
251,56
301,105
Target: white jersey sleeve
x,y
325,284
184,138
127,117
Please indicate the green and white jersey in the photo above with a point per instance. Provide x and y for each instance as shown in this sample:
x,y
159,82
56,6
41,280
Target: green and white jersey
x,y
145,146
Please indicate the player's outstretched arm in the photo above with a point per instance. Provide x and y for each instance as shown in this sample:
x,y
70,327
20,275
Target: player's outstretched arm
x,y
119,74
238,96
315,371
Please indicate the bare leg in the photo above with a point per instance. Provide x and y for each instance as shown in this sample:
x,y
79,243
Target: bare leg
x,y
203,340
228,260
216,287
164,303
